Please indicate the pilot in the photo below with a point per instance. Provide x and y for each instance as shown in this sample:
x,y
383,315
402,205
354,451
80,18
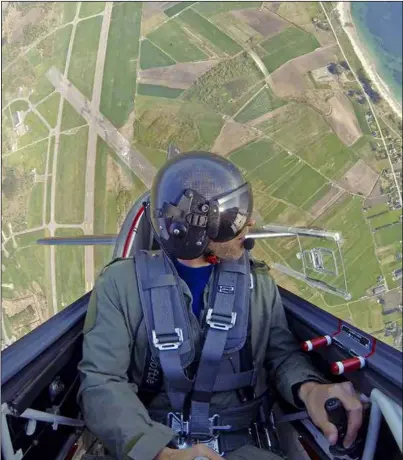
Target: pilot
x,y
180,342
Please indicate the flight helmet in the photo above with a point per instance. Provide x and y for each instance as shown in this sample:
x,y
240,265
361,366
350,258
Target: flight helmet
x,y
197,197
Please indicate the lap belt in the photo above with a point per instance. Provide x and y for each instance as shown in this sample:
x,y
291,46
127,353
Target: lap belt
x,y
233,419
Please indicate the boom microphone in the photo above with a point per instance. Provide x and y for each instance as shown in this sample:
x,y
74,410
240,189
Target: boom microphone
x,y
249,243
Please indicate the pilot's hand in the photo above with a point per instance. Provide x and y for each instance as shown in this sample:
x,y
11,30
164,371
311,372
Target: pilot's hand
x,y
314,396
198,450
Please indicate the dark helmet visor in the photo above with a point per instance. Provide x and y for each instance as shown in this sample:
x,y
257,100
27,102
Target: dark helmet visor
x,y
235,209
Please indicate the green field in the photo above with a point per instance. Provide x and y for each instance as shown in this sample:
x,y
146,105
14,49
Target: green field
x,y
112,199
25,266
228,85
53,52
49,178
168,37
367,315
360,111
35,205
158,91
361,263
71,118
49,109
209,9
70,181
288,44
84,55
151,56
254,155
305,124
161,121
262,103
320,193
69,10
171,11
389,217
28,158
90,8
209,32
329,156
119,81
389,235
69,275
36,130
300,186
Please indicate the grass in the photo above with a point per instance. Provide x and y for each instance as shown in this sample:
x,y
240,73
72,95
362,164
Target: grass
x,y
302,121
49,109
35,205
70,191
253,155
382,207
69,10
84,55
209,32
151,56
209,9
25,266
173,40
49,179
360,111
158,91
329,156
160,121
262,103
28,158
19,106
300,186
320,193
288,44
36,130
53,51
361,263
228,85
91,8
389,217
119,81
71,118
109,193
171,11
389,235
69,270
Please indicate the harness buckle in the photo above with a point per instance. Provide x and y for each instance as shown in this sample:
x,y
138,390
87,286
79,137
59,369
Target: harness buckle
x,y
221,322
167,341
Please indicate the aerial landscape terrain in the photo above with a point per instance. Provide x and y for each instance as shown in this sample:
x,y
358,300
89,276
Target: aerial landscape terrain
x,y
93,93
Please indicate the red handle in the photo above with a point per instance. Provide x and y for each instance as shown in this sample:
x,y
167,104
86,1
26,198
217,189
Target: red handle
x,y
316,343
348,365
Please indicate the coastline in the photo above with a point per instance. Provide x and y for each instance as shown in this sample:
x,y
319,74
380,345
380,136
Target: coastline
x,y
346,20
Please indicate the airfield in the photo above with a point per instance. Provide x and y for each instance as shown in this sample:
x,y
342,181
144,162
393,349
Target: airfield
x,y
94,92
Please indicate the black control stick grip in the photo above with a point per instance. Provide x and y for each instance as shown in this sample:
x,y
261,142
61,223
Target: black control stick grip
x,y
338,416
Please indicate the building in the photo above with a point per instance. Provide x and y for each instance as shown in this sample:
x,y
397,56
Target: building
x,y
397,274
379,289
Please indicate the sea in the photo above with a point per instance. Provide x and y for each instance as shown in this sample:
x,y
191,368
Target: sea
x,y
379,26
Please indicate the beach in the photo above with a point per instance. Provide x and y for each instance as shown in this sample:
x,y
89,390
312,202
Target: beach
x,y
347,23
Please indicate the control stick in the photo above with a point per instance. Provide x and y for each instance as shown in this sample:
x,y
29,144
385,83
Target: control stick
x,y
338,416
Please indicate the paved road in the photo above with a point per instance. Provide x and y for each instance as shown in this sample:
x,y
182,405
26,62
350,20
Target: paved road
x,y
136,161
89,203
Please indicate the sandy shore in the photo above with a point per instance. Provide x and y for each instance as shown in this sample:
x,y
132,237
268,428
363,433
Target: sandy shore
x,y
346,20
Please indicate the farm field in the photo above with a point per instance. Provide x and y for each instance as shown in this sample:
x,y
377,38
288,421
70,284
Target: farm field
x,y
251,81
120,72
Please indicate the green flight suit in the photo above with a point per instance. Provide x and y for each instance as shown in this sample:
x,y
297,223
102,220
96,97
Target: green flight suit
x,y
114,353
